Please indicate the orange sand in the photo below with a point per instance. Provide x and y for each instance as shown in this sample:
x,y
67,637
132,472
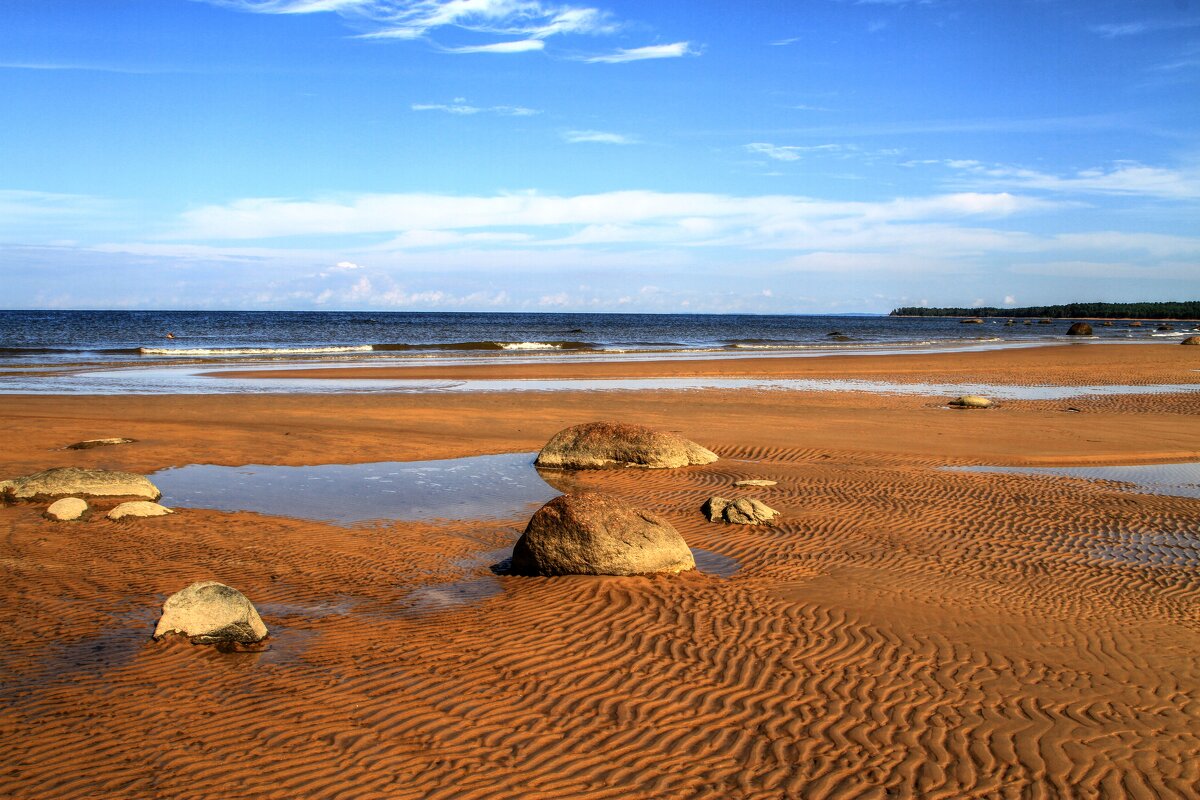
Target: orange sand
x,y
905,632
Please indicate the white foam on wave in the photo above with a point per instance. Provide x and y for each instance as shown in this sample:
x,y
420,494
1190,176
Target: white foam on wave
x,y
529,346
251,351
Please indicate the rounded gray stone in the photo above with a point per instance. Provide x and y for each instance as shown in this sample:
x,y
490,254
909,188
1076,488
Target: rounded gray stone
x,y
601,445
75,482
210,612
68,509
591,533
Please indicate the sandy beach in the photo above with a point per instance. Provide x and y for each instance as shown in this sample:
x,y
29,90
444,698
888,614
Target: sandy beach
x,y
904,631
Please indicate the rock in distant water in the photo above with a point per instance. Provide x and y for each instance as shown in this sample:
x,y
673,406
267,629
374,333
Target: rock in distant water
x,y
1191,340
754,482
211,613
971,321
1079,329
138,508
1135,324
599,445
69,509
742,511
72,481
1108,323
1165,327
971,401
590,533
88,444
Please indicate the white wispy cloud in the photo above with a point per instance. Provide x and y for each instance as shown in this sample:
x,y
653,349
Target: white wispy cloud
x,y
675,50
53,66
1120,178
598,137
461,107
524,25
1143,26
521,46
790,152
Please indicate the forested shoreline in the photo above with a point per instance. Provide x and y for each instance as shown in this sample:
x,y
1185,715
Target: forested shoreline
x,y
1189,309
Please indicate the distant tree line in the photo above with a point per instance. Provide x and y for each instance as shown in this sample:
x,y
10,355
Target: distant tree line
x,y
1185,310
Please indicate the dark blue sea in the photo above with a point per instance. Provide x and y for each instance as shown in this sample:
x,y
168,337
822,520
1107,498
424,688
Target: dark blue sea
x,y
106,338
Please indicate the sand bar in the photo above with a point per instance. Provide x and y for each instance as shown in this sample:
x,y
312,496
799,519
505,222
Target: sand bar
x,y
905,631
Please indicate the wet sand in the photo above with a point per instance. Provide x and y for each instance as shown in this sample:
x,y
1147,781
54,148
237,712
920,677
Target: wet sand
x,y
906,631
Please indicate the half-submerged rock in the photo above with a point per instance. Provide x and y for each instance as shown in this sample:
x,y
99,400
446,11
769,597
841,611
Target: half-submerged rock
x,y
76,482
591,533
1080,329
69,509
88,444
211,613
600,445
971,401
1191,340
138,508
741,511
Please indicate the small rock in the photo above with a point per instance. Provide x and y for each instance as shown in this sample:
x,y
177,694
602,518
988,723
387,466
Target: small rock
x,y
754,482
741,511
88,444
971,321
69,509
600,445
590,533
1080,329
1165,327
139,508
72,481
1191,340
1135,324
1108,323
971,401
211,613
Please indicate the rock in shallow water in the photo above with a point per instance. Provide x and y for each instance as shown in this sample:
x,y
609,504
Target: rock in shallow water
x,y
741,511
1080,329
69,509
590,533
139,508
599,445
211,613
72,481
1191,340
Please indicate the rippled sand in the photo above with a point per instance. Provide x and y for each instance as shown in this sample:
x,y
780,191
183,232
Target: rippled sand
x,y
906,631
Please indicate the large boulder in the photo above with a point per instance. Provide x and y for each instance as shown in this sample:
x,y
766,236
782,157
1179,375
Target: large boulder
x,y
590,533
138,508
75,482
741,511
1191,340
69,509
1080,329
211,613
600,445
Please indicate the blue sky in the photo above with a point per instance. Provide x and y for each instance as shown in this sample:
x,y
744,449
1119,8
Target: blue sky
x,y
814,156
